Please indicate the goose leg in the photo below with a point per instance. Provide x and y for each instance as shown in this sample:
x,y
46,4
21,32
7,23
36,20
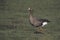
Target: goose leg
x,y
40,29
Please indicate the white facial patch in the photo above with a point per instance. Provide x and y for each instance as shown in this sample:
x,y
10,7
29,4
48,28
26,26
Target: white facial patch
x,y
29,8
44,23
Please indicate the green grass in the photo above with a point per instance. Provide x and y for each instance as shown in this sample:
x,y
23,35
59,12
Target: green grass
x,y
14,13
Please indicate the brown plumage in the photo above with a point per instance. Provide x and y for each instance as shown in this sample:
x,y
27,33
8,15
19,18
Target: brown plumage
x,y
36,22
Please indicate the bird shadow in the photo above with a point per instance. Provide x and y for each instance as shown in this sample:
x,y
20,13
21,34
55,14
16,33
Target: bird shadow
x,y
38,32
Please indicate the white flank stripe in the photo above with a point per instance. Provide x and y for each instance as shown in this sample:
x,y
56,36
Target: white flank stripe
x,y
44,23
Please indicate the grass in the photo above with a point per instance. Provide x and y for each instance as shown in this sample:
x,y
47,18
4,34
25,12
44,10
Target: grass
x,y
14,19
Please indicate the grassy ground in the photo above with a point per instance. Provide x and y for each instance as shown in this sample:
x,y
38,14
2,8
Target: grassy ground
x,y
14,24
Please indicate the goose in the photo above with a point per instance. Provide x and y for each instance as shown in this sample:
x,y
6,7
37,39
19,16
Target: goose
x,y
39,23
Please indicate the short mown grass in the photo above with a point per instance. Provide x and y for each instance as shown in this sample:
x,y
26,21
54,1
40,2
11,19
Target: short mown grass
x,y
14,19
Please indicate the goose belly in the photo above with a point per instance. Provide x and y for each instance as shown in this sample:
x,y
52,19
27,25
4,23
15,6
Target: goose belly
x,y
35,23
